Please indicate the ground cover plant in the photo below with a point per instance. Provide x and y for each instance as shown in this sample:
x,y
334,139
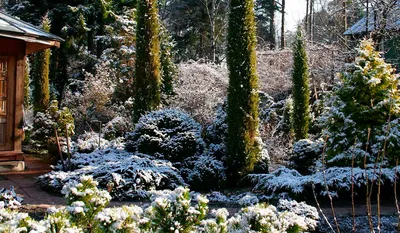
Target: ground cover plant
x,y
169,211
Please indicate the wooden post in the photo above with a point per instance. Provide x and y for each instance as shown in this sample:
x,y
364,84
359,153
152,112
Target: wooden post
x,y
68,150
19,101
59,148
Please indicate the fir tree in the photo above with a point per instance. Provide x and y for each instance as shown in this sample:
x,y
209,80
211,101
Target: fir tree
x,y
301,91
362,117
41,91
243,145
168,68
147,70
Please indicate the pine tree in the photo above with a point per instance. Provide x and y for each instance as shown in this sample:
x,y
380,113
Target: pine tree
x,y
301,91
41,91
147,73
168,68
243,146
362,116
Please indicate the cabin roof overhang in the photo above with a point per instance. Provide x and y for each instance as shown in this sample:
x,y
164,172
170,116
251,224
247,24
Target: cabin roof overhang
x,y
36,39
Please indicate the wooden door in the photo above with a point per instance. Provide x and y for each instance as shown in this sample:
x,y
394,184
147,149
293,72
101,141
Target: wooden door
x,y
7,77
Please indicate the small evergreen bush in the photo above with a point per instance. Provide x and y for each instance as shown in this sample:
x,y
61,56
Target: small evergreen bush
x,y
166,134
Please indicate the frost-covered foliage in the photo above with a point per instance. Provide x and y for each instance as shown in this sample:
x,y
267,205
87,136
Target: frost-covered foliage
x,y
362,114
305,154
166,134
169,211
126,174
90,99
90,141
199,88
84,200
9,198
337,179
206,173
117,127
42,135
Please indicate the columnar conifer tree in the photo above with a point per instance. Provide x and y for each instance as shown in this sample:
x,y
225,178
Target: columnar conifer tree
x,y
243,146
147,70
301,91
41,91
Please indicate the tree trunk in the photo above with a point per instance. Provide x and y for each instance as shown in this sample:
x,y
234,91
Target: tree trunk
x,y
212,31
271,39
283,25
311,15
306,23
367,18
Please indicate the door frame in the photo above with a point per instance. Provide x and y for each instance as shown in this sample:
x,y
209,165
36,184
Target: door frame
x,y
10,86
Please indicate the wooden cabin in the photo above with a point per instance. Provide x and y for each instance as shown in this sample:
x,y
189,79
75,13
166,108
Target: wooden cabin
x,y
17,39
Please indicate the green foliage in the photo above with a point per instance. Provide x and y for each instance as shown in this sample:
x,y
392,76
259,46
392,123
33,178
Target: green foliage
x,y
85,201
363,112
41,91
175,214
168,68
147,69
301,91
166,134
243,146
169,211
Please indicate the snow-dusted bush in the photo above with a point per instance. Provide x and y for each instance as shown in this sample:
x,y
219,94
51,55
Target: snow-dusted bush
x,y
53,117
169,211
117,127
166,134
199,89
9,198
337,179
127,175
206,173
361,115
305,154
84,200
90,141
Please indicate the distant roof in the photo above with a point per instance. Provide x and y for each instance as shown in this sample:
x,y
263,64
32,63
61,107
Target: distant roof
x,y
36,38
393,22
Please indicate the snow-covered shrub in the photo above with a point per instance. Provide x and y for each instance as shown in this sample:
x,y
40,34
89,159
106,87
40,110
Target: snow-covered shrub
x,y
117,127
171,211
166,134
206,173
120,219
9,198
216,135
266,218
127,175
90,141
355,120
84,200
199,88
337,179
310,213
305,154
90,99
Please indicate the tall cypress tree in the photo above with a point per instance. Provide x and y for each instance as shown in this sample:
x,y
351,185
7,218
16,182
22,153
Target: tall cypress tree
x,y
147,73
243,146
41,91
301,90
